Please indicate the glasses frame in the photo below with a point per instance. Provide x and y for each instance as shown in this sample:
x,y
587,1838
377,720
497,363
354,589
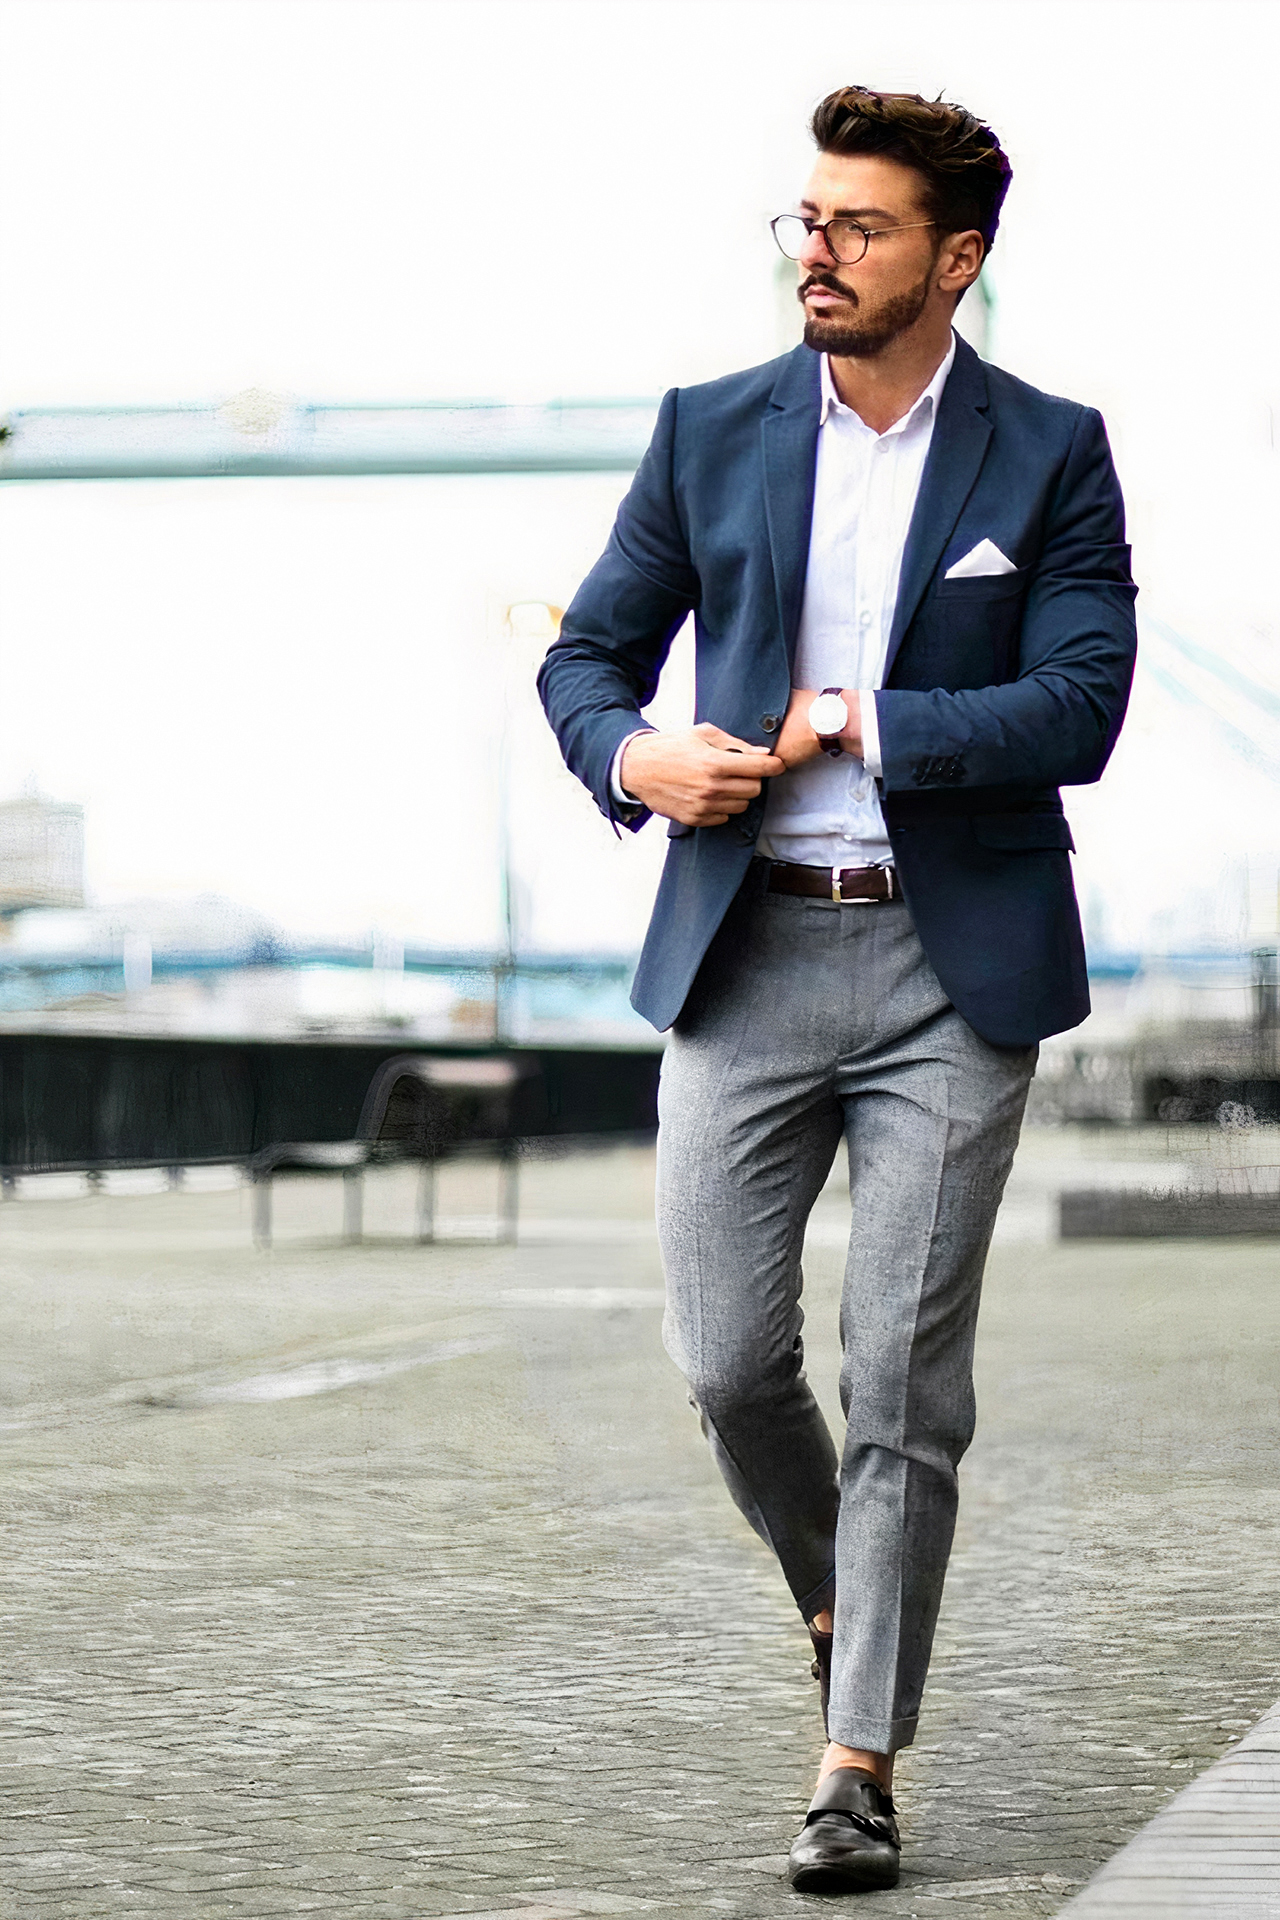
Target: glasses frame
x,y
821,226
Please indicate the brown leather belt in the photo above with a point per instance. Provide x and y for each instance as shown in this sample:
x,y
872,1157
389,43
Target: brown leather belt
x,y
867,885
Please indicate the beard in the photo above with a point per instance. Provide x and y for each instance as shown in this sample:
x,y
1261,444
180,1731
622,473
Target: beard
x,y
866,331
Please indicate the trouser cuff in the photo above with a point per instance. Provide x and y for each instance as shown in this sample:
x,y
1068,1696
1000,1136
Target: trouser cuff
x,y
871,1736
821,1600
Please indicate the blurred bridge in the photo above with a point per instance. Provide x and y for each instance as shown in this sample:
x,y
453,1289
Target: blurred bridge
x,y
265,434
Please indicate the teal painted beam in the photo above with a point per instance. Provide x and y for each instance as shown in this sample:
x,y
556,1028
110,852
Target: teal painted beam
x,y
265,435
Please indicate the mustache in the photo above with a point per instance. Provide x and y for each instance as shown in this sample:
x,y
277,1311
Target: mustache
x,y
832,285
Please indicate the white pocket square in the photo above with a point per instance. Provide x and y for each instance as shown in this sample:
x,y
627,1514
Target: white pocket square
x,y
986,557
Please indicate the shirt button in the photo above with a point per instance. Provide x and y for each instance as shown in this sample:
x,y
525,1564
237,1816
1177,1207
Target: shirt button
x,y
864,618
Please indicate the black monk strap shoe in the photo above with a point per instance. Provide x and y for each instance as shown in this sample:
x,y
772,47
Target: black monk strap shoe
x,y
849,1841
821,1668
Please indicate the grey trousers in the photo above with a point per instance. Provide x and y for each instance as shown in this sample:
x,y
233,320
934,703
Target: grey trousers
x,y
809,1020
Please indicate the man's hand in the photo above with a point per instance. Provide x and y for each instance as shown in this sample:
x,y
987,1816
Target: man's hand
x,y
798,742
698,777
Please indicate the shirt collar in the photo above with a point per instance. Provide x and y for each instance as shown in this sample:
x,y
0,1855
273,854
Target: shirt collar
x,y
928,401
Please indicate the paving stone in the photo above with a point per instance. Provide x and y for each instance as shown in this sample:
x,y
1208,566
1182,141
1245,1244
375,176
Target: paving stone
x,y
484,1634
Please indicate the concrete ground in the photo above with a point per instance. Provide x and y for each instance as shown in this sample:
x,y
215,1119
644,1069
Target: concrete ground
x,y
395,1581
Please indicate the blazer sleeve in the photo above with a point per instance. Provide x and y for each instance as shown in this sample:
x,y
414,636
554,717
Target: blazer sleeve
x,y
1055,724
616,635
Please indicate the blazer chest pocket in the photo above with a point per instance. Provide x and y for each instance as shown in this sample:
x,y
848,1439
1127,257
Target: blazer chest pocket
x,y
983,586
966,634
1023,832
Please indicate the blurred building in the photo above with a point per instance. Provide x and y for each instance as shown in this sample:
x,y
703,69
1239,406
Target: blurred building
x,y
41,853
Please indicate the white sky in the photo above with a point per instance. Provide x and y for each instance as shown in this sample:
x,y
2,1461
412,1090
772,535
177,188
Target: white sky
x,y
271,688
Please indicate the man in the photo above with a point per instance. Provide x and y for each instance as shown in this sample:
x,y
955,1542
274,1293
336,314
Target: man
x,y
914,623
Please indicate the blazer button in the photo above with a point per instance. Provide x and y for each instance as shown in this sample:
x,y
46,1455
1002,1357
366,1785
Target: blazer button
x,y
769,721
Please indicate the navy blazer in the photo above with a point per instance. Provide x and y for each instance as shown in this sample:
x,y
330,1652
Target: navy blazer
x,y
997,690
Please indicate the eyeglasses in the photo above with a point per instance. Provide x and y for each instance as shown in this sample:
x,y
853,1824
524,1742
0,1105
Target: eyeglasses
x,y
845,240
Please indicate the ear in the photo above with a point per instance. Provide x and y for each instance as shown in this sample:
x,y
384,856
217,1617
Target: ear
x,y
960,261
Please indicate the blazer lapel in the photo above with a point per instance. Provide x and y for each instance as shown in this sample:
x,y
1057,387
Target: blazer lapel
x,y
956,453
789,437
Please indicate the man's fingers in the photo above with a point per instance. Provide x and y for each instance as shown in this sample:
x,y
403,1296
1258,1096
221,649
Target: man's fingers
x,y
710,813
727,742
717,737
749,763
701,777
764,764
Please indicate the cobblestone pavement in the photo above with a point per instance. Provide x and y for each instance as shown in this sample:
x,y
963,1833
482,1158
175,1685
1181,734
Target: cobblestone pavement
x,y
395,1581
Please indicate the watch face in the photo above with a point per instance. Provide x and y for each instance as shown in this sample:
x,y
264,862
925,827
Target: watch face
x,y
828,715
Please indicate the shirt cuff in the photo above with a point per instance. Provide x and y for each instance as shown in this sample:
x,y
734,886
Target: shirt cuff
x,y
618,793
870,734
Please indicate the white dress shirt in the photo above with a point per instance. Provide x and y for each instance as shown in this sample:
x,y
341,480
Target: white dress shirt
x,y
826,813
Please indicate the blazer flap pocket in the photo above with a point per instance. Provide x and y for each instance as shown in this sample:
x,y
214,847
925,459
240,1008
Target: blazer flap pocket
x,y
1023,832
676,830
984,586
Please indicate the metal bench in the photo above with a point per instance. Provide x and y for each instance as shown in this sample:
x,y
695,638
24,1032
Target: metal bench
x,y
419,1107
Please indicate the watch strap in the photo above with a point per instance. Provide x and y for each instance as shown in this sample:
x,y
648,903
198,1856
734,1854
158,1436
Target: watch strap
x,y
830,742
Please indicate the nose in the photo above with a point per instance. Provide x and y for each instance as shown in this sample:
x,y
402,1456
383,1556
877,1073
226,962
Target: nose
x,y
816,253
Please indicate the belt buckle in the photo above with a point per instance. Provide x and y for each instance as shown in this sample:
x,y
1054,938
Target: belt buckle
x,y
859,900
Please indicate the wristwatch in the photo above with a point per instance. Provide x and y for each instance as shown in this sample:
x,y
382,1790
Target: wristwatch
x,y
829,716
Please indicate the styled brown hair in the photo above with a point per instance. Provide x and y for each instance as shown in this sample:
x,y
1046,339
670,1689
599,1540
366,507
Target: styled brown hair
x,y
964,168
